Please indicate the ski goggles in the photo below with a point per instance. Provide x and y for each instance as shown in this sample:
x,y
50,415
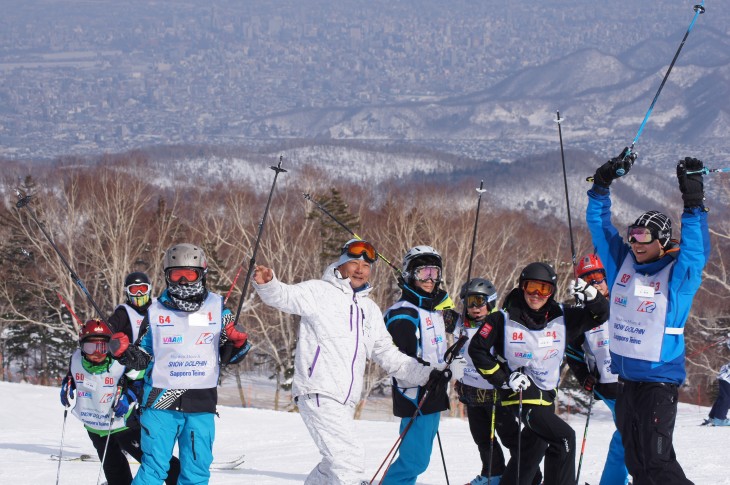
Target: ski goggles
x,y
640,234
425,273
538,288
357,249
190,275
138,289
476,301
594,277
94,347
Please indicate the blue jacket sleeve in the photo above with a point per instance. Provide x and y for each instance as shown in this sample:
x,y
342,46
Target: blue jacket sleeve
x,y
607,241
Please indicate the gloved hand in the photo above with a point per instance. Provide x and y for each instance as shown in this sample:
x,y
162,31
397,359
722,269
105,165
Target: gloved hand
x,y
68,386
236,334
518,381
691,185
581,290
450,319
118,344
589,382
614,168
457,367
438,378
125,401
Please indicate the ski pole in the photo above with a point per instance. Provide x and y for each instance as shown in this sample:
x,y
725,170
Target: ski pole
x,y
585,435
106,445
252,262
480,191
443,460
567,196
699,9
23,201
60,451
706,171
449,356
70,310
343,226
491,435
519,436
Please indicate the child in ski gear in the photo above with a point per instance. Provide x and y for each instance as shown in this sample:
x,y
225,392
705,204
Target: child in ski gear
x,y
589,358
718,413
519,351
340,328
103,402
128,316
182,337
653,281
416,324
485,415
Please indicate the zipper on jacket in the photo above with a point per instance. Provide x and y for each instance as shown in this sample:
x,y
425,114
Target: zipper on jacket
x,y
357,343
192,444
314,362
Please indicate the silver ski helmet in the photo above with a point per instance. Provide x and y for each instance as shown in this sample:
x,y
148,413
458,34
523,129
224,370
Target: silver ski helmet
x,y
480,286
186,256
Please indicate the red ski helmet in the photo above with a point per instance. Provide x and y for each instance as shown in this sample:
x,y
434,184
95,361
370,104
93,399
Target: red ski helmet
x,y
589,264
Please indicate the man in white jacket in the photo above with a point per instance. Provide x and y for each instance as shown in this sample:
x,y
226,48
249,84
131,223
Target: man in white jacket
x,y
340,328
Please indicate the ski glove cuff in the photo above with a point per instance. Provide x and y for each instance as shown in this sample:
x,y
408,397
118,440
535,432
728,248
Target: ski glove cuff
x,y
614,168
691,184
68,386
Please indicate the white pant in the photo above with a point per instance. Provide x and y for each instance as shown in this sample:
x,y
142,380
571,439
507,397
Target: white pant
x,y
332,428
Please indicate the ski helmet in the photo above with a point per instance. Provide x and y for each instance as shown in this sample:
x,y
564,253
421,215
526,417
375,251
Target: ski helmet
x,y
589,264
421,256
185,255
134,288
539,272
659,224
94,329
480,286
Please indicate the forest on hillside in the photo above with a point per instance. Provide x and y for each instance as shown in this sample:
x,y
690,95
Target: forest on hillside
x,y
107,224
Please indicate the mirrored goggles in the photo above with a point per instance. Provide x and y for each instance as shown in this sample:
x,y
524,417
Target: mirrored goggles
x,y
91,347
476,301
594,277
538,288
425,273
357,249
639,234
137,289
189,275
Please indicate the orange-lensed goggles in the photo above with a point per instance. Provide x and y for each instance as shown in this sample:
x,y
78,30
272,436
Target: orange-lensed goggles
x,y
594,277
190,275
137,289
538,288
363,249
476,301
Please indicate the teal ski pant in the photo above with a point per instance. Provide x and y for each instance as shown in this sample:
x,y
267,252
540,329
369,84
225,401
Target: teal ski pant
x,y
415,450
194,434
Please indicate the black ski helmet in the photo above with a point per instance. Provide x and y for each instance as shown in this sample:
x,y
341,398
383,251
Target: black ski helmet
x,y
539,272
136,277
659,224
480,286
137,299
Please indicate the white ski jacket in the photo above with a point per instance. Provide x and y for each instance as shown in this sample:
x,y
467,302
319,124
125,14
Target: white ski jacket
x,y
338,330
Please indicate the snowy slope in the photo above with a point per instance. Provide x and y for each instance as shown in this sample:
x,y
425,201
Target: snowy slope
x,y
279,451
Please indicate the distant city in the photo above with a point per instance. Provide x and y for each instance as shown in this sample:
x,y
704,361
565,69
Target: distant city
x,y
92,77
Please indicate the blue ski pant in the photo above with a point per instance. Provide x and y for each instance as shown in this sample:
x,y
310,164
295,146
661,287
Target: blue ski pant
x,y
614,471
194,434
415,450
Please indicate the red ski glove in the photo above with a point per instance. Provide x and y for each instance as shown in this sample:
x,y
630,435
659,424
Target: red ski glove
x,y
236,335
118,344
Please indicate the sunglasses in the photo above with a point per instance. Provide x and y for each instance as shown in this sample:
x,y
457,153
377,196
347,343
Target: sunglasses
x,y
425,273
594,277
92,347
138,289
357,249
190,275
538,288
476,301
640,234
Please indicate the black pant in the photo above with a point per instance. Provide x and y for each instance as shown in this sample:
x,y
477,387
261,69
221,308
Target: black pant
x,y
543,434
116,466
722,403
645,416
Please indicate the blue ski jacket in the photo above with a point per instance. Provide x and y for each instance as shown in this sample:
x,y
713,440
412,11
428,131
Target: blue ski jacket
x,y
685,280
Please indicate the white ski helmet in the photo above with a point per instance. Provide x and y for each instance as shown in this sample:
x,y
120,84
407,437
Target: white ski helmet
x,y
184,255
420,256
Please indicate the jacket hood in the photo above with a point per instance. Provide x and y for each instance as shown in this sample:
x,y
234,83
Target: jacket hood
x,y
332,276
420,298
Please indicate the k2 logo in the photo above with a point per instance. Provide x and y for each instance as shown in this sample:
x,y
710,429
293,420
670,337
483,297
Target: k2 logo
x,y
646,307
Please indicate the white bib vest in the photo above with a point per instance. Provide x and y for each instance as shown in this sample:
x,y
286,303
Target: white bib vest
x,y
538,353
471,376
186,345
135,320
95,394
638,312
597,355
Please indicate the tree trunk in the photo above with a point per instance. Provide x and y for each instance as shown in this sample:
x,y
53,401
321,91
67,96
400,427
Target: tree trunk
x,y
240,387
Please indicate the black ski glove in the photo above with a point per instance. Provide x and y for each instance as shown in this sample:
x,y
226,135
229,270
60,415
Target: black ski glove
x,y
614,168
691,184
